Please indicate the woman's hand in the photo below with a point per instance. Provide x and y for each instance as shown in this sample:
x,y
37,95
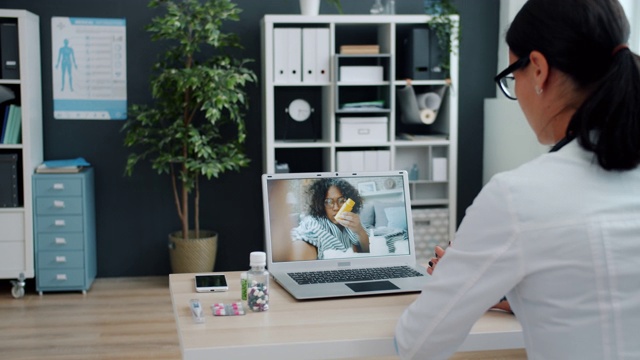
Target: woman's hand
x,y
439,253
351,221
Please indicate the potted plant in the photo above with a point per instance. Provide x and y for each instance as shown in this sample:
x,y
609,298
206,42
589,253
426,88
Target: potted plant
x,y
194,128
312,7
444,26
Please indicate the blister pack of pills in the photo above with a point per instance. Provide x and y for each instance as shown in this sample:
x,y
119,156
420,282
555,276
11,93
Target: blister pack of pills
x,y
230,309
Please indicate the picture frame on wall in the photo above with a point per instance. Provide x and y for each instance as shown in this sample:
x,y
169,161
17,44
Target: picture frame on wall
x,y
367,187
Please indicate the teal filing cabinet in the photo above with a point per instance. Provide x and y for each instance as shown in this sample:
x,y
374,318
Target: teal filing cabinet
x,y
64,231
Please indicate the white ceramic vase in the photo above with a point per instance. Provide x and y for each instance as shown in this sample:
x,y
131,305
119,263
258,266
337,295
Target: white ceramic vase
x,y
310,7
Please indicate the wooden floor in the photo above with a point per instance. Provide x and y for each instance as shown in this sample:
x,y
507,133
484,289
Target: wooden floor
x,y
119,318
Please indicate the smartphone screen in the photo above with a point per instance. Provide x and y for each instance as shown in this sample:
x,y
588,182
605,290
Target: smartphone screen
x,y
214,282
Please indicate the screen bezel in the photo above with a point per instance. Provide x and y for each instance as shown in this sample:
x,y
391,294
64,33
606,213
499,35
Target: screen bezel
x,y
286,266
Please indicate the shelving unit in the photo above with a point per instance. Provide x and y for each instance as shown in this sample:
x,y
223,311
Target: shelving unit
x,y
435,187
16,236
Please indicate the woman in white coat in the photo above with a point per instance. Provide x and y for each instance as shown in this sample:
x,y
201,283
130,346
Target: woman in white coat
x,y
560,235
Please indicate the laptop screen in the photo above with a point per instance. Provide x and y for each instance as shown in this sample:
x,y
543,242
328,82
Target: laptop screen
x,y
302,220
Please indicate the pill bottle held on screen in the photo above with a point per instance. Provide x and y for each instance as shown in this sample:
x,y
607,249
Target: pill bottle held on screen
x,y
346,207
258,282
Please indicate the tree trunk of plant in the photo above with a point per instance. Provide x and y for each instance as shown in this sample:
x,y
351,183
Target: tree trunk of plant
x,y
196,207
185,211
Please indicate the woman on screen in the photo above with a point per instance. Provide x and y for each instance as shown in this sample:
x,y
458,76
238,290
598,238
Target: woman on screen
x,y
320,231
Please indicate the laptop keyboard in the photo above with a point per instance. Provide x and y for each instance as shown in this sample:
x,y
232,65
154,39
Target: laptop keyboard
x,y
344,275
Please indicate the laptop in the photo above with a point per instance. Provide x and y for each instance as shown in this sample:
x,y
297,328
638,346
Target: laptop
x,y
369,250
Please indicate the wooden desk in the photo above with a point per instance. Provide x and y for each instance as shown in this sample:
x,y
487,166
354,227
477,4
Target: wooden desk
x,y
311,329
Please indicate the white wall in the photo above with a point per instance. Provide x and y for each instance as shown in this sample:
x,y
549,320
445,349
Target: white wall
x,y
632,9
508,139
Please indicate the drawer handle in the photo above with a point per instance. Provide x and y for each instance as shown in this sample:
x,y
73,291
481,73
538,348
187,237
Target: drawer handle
x,y
61,241
61,277
59,223
61,259
58,204
58,186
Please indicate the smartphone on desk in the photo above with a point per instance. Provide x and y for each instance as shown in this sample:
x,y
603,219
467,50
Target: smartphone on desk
x,y
211,283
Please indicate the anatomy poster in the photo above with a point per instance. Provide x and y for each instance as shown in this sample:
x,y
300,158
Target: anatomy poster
x,y
89,62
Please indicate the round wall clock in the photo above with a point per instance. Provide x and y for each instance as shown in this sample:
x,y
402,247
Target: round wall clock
x,y
299,110
389,184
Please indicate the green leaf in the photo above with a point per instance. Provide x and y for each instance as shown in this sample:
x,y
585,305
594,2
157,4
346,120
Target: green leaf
x,y
197,90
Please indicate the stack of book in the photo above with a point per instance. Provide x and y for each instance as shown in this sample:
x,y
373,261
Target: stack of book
x,y
62,166
11,125
359,49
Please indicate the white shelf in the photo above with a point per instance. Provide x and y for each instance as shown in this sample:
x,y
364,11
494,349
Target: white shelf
x,y
16,236
389,33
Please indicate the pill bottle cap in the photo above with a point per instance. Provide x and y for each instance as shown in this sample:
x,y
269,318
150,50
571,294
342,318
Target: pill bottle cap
x,y
257,258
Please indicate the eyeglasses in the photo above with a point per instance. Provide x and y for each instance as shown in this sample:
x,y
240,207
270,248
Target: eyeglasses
x,y
332,202
507,81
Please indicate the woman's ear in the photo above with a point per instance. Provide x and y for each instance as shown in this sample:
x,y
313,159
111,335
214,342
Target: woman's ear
x,y
540,69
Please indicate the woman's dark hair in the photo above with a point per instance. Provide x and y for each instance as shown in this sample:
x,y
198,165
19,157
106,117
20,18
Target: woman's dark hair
x,y
586,39
318,191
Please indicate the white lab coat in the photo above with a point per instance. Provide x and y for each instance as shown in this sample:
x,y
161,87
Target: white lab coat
x,y
561,238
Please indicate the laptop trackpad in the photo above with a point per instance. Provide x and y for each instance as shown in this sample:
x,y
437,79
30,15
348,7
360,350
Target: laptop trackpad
x,y
372,286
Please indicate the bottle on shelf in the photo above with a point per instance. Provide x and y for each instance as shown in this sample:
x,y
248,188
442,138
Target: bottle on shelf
x,y
377,8
413,173
390,7
258,282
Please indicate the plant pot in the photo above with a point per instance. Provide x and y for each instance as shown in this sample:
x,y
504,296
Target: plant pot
x,y
193,255
310,7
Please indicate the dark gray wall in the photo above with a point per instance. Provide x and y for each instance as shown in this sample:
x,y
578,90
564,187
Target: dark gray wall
x,y
135,214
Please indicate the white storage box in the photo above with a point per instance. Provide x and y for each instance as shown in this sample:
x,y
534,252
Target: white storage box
x,y
362,129
361,74
430,229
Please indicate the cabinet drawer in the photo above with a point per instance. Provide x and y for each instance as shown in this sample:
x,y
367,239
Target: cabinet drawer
x,y
60,259
59,223
58,205
65,241
61,278
58,187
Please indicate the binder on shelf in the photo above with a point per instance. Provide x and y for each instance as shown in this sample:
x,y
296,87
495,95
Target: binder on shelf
x,y
309,59
323,62
315,55
423,55
280,57
10,124
10,68
9,180
14,125
287,55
